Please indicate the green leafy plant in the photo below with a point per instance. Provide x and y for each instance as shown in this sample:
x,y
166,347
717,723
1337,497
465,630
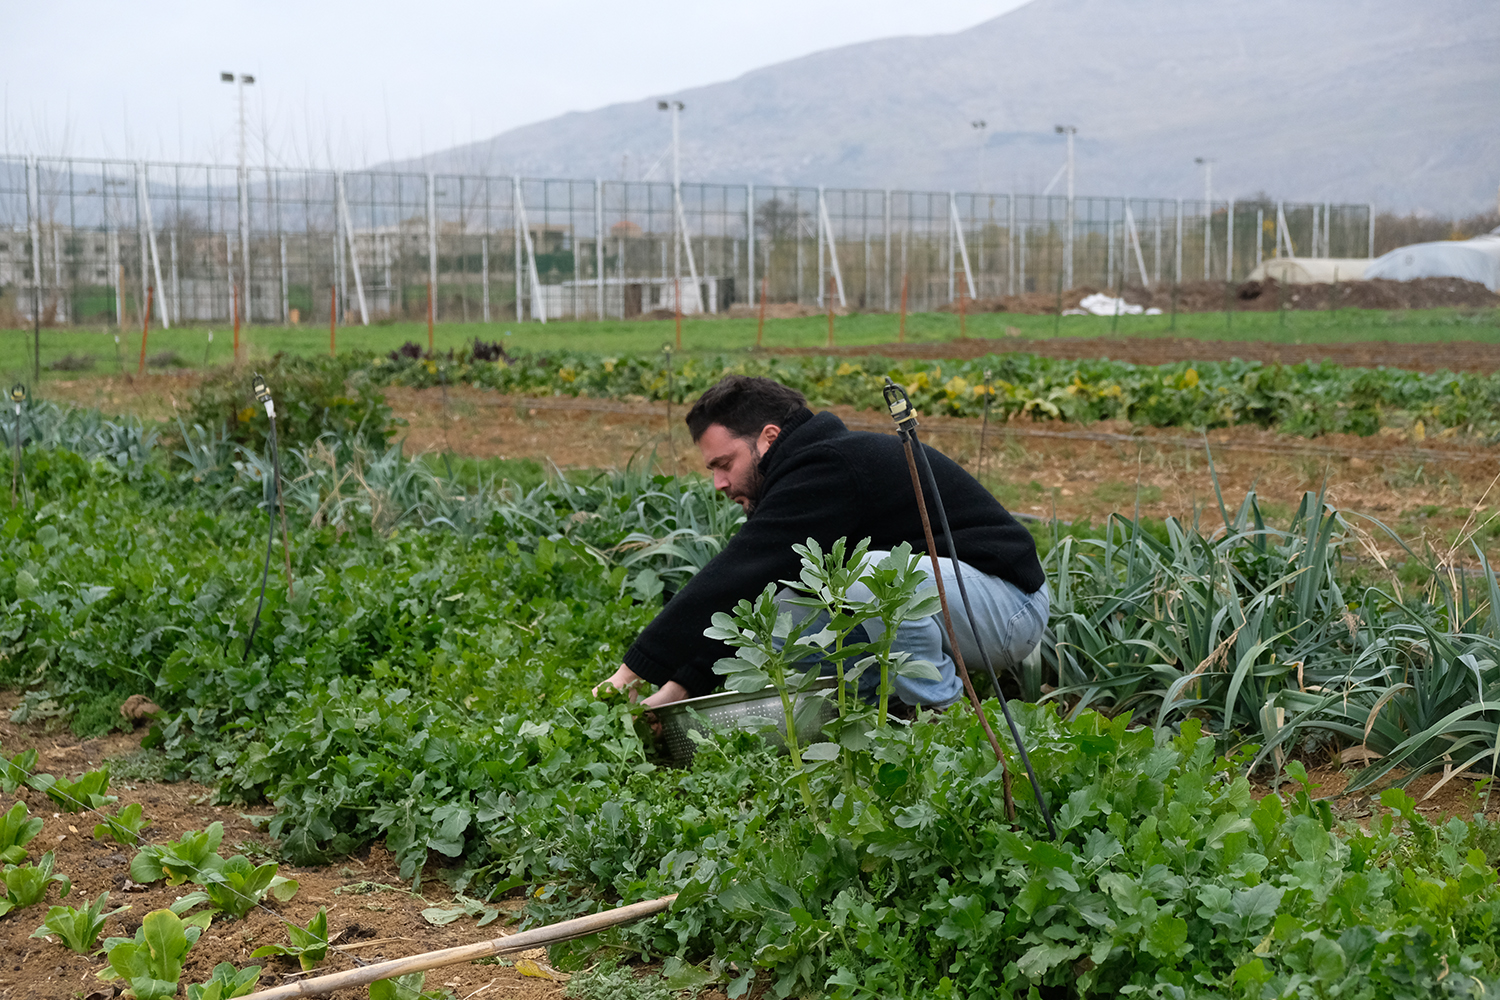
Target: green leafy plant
x,y
151,962
78,930
26,885
124,827
179,860
17,829
236,885
85,793
226,982
464,906
308,945
16,771
407,987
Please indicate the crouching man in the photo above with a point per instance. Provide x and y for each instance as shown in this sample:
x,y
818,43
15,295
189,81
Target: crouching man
x,y
801,475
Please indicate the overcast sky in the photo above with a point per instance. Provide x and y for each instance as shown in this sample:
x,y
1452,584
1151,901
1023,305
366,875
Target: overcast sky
x,y
348,85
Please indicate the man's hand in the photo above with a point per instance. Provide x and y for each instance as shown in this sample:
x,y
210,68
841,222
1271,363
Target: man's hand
x,y
624,679
629,681
666,694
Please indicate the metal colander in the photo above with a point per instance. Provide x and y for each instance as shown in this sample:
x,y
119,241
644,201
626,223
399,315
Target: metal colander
x,y
730,710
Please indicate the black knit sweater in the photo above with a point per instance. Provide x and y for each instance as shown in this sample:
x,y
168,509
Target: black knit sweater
x,y
824,481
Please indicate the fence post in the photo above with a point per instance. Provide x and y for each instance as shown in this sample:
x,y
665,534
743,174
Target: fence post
x,y
515,219
286,299
432,262
484,276
1010,241
1229,245
598,250
887,209
1177,280
822,291
243,176
33,218
750,242
1371,247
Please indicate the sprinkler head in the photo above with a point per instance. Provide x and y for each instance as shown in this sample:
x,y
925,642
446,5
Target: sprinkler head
x,y
18,394
899,404
258,387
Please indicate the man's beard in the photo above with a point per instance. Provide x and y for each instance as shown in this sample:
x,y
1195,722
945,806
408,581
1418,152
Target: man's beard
x,y
752,489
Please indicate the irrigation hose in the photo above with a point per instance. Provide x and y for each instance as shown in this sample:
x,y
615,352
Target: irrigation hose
x,y
906,426
18,397
263,396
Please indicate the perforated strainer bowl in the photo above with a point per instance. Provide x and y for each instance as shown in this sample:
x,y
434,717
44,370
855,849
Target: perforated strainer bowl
x,y
730,710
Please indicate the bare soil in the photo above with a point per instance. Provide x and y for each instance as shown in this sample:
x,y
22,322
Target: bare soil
x,y
372,914
1431,491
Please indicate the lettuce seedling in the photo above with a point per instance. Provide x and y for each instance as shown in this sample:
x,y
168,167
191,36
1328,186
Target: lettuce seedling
x,y
226,982
85,793
151,962
78,929
124,827
236,885
16,771
309,945
16,830
25,885
179,860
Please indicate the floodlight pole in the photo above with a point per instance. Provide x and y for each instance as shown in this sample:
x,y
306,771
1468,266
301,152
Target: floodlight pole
x,y
1069,131
243,183
979,125
1208,212
675,108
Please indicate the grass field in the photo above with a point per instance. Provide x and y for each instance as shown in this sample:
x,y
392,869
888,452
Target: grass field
x,y
193,348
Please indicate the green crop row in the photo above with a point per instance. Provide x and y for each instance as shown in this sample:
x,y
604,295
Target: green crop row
x,y
1306,399
424,679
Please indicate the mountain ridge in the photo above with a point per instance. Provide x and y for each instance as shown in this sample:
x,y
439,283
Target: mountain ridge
x,y
1378,100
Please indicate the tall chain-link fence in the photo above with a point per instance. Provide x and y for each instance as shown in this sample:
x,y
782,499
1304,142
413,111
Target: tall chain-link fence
x,y
84,240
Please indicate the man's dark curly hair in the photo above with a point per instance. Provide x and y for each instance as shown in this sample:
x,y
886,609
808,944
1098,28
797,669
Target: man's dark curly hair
x,y
745,404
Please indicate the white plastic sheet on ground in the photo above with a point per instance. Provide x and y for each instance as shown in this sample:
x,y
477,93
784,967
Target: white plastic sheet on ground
x,y
1100,304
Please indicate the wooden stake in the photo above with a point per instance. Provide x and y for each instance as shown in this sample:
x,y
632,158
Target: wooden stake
x,y
540,937
901,336
760,327
333,313
145,325
430,348
677,304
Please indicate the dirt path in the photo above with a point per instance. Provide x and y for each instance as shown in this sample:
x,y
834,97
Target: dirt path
x,y
1427,492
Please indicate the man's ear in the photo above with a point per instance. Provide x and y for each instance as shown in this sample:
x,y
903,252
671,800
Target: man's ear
x,y
768,436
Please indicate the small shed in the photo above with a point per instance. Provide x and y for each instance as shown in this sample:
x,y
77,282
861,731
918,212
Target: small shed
x,y
1476,259
1312,270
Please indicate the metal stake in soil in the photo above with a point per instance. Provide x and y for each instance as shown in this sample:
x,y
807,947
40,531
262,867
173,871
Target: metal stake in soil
x,y
906,426
17,397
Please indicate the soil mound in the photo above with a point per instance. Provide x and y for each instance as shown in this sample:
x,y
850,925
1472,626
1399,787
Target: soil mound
x,y
1260,296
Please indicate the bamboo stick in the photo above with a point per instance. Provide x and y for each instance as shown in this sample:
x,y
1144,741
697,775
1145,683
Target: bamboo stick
x,y
540,937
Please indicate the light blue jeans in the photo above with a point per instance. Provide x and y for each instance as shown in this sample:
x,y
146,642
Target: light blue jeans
x,y
1010,621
